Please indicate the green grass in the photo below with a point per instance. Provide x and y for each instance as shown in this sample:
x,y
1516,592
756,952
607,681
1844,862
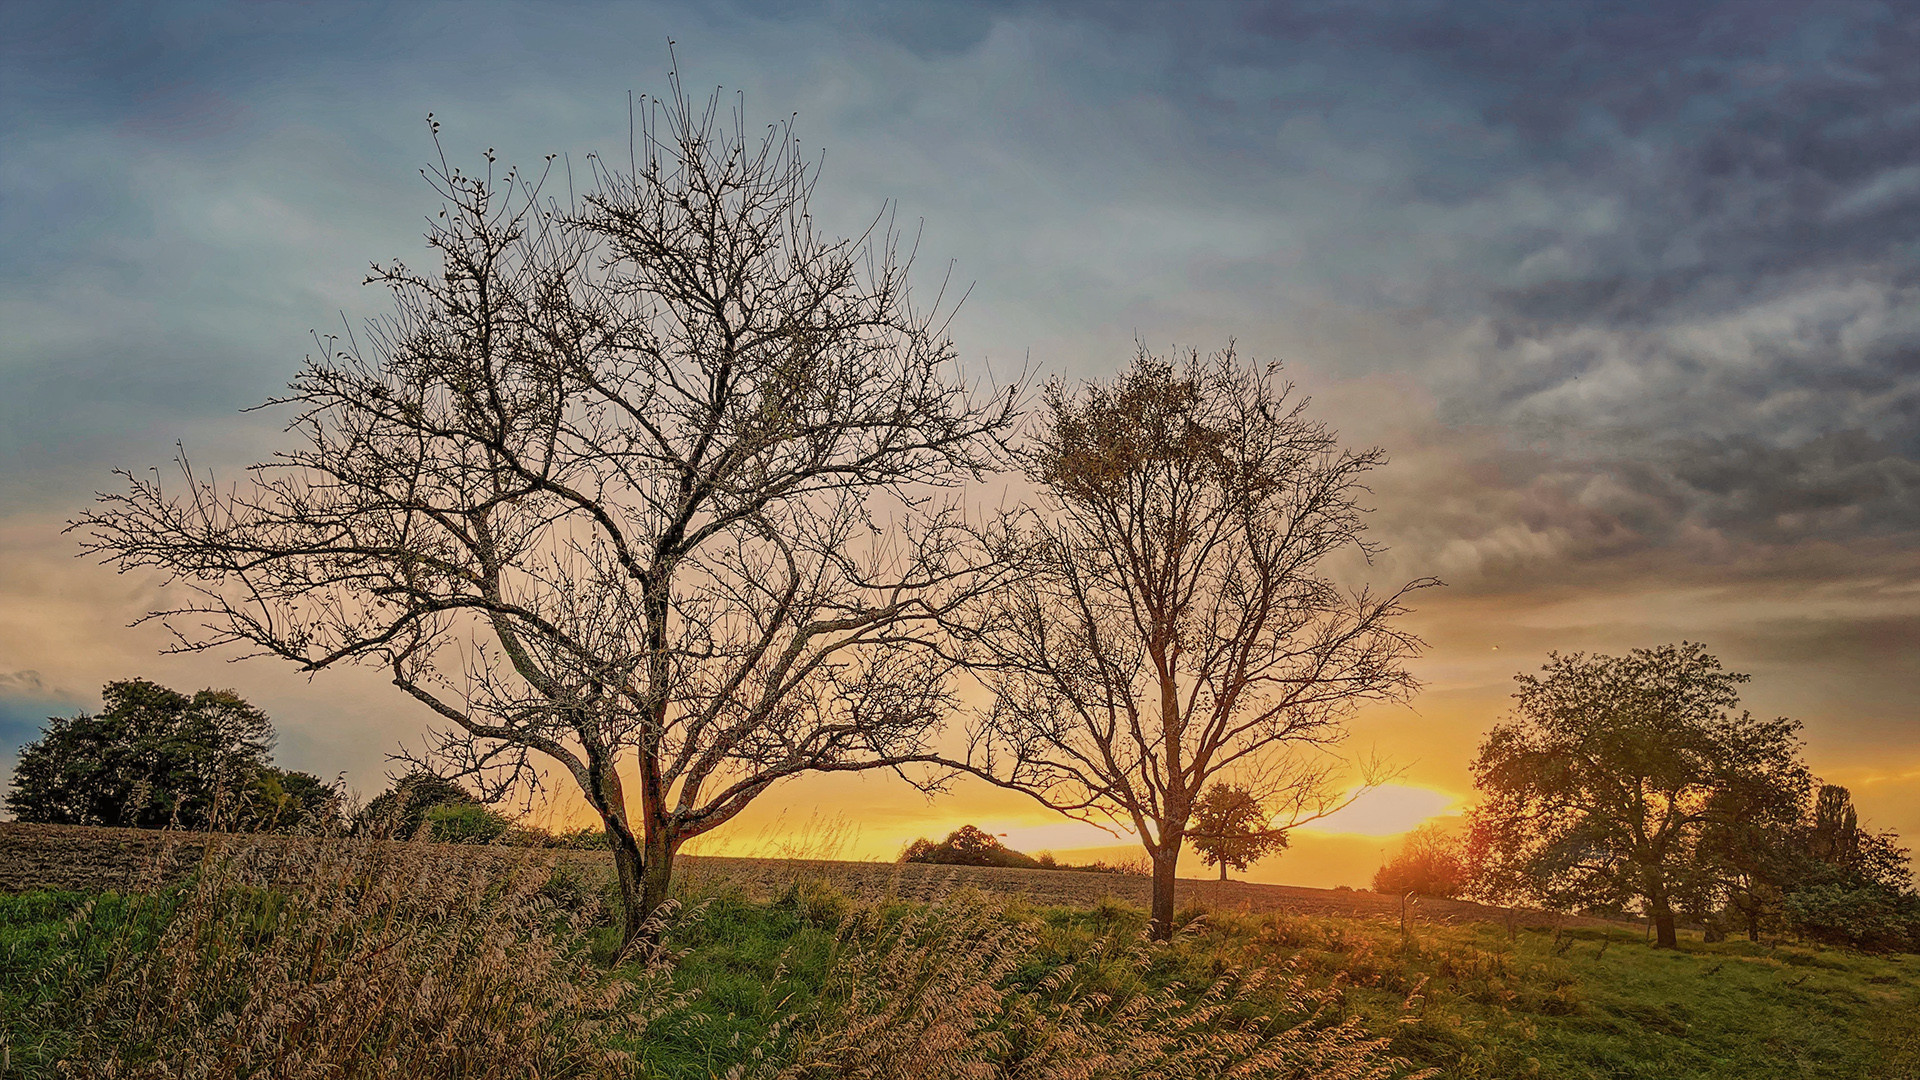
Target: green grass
x,y
1586,1004
33,960
1466,1000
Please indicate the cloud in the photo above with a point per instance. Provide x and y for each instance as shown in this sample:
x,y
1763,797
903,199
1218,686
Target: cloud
x,y
23,684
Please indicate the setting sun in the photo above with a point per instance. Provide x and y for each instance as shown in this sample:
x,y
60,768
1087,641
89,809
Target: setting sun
x,y
1387,810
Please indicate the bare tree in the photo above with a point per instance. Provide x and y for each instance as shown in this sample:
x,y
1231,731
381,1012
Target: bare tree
x,y
644,484
1179,625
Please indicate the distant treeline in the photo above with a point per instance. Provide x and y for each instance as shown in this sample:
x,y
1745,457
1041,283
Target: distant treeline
x,y
156,758
970,846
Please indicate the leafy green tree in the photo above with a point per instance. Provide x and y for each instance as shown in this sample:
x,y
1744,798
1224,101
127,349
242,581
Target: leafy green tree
x,y
151,758
1843,884
1602,788
1230,828
1430,862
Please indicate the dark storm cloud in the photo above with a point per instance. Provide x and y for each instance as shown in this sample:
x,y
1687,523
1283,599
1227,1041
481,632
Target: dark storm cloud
x,y
1731,343
1668,252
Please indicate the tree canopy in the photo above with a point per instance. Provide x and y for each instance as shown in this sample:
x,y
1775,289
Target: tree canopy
x,y
1600,790
640,489
1231,829
1430,862
1176,621
156,758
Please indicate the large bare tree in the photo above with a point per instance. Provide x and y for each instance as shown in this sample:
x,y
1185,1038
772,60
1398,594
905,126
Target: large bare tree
x,y
644,485
1181,624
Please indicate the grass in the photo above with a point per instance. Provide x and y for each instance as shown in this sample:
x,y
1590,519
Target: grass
x,y
811,983
1467,1000
1592,1004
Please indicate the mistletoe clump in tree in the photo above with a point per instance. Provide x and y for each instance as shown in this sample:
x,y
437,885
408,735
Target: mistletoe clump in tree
x,y
641,490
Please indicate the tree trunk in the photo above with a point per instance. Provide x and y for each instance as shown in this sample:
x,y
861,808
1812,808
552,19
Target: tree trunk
x,y
1223,869
1753,924
1164,862
630,871
1663,932
656,875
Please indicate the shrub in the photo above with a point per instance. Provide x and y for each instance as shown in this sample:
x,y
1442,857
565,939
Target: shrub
x,y
466,823
1430,862
1867,917
816,902
583,839
402,809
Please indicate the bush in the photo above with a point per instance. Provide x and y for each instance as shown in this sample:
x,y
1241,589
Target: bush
x,y
466,823
583,839
402,809
968,846
1430,862
1867,917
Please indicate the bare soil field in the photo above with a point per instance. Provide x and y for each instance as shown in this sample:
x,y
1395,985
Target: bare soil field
x,y
94,860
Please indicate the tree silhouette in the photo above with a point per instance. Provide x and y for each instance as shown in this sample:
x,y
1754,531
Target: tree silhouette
x,y
1230,828
1175,623
644,489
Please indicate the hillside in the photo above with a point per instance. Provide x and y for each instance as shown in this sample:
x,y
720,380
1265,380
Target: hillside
x,y
831,968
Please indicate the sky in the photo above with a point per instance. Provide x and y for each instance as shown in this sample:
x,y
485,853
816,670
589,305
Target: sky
x,y
1628,293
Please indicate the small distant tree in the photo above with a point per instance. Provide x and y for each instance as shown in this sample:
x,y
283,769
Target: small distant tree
x,y
1177,621
151,758
1602,788
1231,828
1431,862
968,846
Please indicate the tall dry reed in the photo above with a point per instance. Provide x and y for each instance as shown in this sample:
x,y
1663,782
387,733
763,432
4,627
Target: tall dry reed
x,y
933,995
347,959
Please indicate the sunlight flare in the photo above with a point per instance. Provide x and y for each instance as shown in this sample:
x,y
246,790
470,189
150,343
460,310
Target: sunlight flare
x,y
1388,810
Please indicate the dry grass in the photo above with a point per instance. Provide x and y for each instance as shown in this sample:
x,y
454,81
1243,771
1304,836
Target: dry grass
x,y
340,958
935,996
349,958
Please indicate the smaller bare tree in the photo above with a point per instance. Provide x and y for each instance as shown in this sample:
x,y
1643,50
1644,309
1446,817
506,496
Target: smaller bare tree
x,y
1179,623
